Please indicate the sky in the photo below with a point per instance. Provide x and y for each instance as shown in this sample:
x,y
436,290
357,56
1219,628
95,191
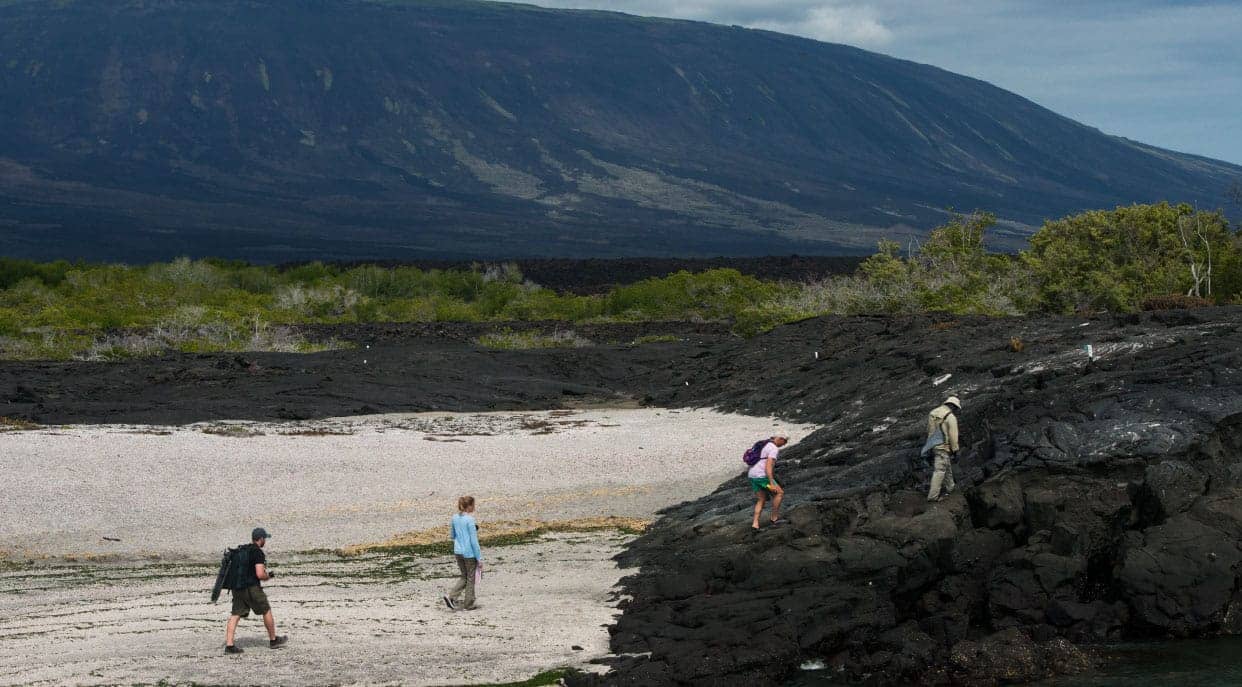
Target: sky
x,y
1164,72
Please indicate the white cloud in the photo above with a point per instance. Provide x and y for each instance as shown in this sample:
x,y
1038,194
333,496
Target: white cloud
x,y
837,21
856,25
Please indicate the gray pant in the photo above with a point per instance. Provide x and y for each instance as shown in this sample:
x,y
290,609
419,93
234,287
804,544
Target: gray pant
x,y
943,473
466,566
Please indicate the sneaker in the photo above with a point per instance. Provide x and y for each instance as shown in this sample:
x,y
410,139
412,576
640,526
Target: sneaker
x,y
780,521
449,602
230,649
279,641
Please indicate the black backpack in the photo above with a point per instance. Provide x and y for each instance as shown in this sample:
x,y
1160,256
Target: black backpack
x,y
232,570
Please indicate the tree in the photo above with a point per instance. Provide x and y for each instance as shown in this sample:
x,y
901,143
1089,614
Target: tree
x,y
958,247
1115,259
1198,254
952,271
886,268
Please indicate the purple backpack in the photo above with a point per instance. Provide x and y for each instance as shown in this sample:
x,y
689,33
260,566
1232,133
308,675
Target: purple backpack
x,y
755,453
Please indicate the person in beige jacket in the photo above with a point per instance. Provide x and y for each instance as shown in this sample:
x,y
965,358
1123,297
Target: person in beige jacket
x,y
942,424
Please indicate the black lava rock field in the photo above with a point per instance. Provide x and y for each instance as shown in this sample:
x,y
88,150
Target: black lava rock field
x,y
1098,500
1099,496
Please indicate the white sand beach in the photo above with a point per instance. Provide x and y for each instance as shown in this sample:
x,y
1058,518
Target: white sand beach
x,y
374,619
111,535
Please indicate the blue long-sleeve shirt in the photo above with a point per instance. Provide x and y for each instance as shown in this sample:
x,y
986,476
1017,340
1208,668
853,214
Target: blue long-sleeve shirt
x,y
465,534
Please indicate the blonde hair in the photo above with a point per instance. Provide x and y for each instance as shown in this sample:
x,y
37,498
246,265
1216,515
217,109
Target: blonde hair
x,y
465,503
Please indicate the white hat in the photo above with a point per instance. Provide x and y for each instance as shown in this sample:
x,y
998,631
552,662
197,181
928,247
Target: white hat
x,y
954,400
780,434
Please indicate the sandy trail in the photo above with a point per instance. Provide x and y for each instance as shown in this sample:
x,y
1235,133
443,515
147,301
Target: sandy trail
x,y
137,612
190,491
376,619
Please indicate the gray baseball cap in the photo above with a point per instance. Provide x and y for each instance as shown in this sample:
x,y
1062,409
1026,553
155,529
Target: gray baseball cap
x,y
259,533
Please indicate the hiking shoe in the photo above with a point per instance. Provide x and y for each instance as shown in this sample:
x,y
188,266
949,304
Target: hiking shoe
x,y
278,642
230,649
449,602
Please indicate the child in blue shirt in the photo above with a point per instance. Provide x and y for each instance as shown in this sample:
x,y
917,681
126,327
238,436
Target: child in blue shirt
x,y
465,535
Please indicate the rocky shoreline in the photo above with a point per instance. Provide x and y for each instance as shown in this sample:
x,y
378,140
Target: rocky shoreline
x,y
1099,499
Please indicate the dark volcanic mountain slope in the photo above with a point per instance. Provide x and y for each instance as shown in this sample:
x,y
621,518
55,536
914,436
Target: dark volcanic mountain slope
x,y
271,130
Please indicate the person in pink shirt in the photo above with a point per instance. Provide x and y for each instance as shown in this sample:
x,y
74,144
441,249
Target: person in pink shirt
x,y
763,480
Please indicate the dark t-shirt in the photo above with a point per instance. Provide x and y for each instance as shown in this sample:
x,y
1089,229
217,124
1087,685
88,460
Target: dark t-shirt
x,y
254,556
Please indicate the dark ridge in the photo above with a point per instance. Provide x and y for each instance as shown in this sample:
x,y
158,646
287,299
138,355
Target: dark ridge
x,y
142,130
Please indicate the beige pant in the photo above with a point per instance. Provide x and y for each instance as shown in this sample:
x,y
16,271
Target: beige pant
x,y
465,583
943,474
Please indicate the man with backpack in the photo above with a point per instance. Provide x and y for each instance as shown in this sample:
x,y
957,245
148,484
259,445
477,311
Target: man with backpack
x,y
249,568
762,461
942,444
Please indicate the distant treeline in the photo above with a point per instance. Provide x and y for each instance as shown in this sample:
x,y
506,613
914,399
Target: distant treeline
x,y
1117,260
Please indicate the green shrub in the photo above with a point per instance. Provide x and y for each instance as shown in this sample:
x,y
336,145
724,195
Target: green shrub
x,y
544,304
316,302
759,320
712,295
1114,259
452,310
655,338
376,282
951,272
13,271
186,273
308,273
254,280
511,340
11,322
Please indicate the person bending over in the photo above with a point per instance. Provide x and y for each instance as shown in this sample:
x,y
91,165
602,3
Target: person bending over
x,y
763,480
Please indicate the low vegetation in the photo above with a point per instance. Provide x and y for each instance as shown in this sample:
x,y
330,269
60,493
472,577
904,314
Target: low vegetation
x,y
509,340
502,533
14,424
1126,259
547,677
654,339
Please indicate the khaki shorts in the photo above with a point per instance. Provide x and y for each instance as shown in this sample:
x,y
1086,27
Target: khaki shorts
x,y
250,599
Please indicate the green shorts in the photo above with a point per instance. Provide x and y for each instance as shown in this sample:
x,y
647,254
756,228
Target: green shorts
x,y
250,599
757,483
